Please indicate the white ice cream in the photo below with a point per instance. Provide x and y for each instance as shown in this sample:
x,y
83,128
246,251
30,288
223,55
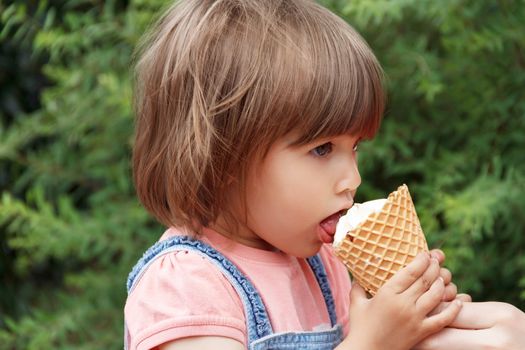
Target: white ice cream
x,y
354,216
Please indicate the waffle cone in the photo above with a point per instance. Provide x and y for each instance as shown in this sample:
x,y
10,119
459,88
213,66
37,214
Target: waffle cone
x,y
384,243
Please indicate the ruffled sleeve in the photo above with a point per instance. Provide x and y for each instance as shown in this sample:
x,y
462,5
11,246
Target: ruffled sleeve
x,y
181,294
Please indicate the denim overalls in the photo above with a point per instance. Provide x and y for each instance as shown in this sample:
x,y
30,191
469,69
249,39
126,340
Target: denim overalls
x,y
259,329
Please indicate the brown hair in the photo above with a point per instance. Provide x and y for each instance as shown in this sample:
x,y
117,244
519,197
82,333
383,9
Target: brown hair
x,y
218,81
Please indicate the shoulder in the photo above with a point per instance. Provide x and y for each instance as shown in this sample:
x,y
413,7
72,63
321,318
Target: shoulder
x,y
181,294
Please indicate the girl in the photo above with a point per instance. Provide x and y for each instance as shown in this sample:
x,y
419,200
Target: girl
x,y
249,116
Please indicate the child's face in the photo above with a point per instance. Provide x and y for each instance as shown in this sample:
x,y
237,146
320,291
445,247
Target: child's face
x,y
295,195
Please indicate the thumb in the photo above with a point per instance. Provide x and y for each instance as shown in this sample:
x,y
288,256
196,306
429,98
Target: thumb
x,y
357,294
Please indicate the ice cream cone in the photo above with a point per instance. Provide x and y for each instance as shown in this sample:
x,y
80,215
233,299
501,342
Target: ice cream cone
x,y
383,243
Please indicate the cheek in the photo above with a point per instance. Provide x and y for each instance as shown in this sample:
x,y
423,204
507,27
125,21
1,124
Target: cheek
x,y
288,189
282,199
285,184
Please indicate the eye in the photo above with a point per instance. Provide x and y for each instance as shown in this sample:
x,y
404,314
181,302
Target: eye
x,y
322,150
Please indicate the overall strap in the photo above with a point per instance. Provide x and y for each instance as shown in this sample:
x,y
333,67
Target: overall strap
x,y
257,320
322,278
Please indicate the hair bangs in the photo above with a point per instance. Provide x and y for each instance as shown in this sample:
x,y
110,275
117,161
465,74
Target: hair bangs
x,y
338,84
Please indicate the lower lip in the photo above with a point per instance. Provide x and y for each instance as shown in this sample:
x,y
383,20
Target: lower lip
x,y
324,236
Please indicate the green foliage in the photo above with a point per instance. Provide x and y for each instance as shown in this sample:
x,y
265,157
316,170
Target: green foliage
x,y
71,227
69,221
454,130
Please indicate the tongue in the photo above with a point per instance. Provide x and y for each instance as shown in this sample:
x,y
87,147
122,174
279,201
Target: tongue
x,y
330,223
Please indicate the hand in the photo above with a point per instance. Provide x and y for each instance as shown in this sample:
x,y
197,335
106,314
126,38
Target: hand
x,y
396,318
489,325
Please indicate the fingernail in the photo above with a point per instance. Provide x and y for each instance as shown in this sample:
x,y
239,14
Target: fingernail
x,y
458,302
441,279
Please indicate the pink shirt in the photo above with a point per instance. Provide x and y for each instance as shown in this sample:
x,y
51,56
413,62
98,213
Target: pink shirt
x,y
182,294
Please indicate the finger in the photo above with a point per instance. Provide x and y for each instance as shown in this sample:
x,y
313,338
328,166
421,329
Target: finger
x,y
422,284
405,277
450,292
429,300
446,274
440,307
357,294
437,322
464,297
450,288
477,316
438,254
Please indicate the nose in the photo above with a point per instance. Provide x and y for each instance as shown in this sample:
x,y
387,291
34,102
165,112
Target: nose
x,y
350,178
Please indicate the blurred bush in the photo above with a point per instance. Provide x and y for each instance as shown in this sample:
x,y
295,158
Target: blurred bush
x,y
71,227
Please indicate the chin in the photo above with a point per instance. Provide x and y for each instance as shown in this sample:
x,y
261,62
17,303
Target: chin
x,y
307,252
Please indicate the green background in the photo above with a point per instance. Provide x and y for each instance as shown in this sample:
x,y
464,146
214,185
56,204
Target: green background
x,y
71,227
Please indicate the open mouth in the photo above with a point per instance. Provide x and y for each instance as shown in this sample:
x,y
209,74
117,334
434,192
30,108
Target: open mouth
x,y
329,224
